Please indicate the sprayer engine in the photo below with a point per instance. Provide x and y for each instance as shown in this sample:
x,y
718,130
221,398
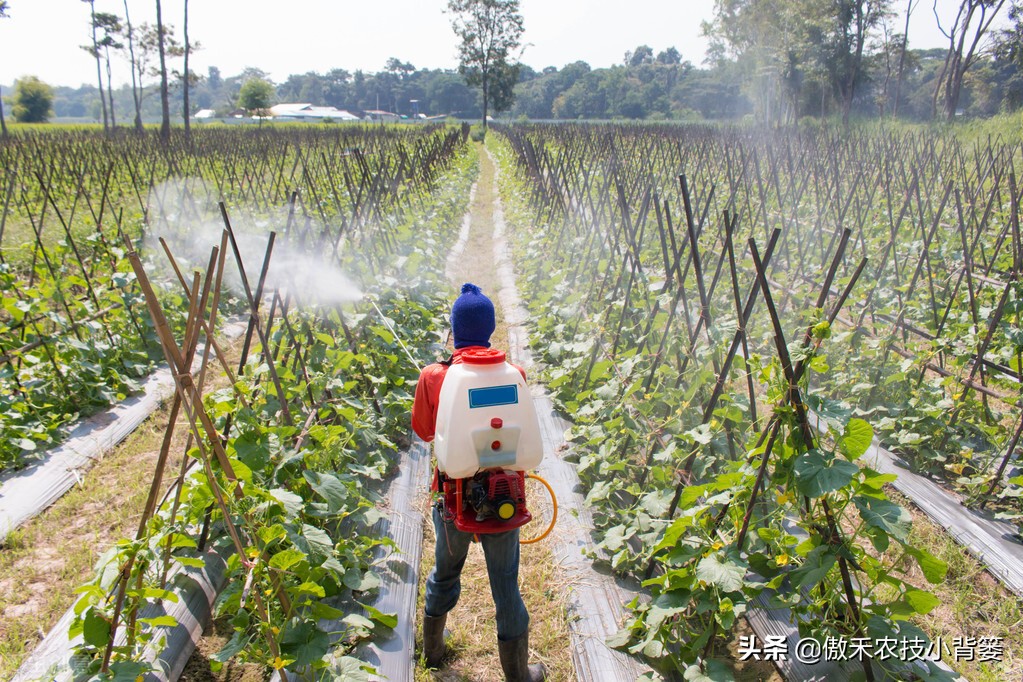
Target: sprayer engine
x,y
492,501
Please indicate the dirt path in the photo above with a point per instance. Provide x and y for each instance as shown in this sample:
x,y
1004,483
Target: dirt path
x,y
473,640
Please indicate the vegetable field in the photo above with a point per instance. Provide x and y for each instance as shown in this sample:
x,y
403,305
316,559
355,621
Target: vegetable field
x,y
735,322
731,317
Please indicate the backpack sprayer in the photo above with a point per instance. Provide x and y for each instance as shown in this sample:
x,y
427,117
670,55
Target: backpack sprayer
x,y
487,437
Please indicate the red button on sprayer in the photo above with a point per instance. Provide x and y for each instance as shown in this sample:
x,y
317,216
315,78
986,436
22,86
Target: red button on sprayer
x,y
496,445
496,423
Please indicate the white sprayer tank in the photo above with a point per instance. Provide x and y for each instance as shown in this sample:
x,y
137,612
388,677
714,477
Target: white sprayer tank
x,y
485,417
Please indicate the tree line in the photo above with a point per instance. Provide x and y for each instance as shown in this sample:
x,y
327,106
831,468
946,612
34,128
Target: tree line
x,y
773,60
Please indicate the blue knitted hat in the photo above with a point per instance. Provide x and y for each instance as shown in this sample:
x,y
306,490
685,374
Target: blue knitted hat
x,y
472,318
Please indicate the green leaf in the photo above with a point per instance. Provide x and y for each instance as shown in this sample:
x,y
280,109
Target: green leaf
x,y
921,601
815,476
714,671
234,647
292,503
389,620
161,621
190,562
351,669
287,558
253,449
857,438
886,515
727,574
304,642
933,568
321,547
358,622
128,671
310,588
814,567
96,629
321,610
329,488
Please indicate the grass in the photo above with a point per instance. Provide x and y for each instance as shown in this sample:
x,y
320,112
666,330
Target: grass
x,y
55,552
973,602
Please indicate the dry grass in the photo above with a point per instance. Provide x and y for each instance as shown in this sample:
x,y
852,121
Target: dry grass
x,y
973,602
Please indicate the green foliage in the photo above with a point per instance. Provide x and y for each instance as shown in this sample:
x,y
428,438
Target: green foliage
x,y
489,32
297,525
756,498
32,100
256,96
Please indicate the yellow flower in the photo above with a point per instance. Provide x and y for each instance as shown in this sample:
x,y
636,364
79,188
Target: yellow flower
x,y
717,545
781,560
278,663
276,630
784,498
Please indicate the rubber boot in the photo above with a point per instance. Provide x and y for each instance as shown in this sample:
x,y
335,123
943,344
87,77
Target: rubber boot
x,y
515,661
433,640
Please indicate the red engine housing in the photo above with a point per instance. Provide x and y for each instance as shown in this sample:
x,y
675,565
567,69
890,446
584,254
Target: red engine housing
x,y
492,501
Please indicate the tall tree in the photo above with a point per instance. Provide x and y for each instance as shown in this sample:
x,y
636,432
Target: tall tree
x,y
844,26
966,37
136,86
94,51
910,6
164,94
489,31
187,81
767,38
3,122
110,24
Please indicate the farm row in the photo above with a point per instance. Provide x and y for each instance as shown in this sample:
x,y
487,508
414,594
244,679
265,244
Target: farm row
x,y
282,466
729,340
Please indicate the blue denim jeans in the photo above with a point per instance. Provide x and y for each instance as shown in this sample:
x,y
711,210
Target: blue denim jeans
x,y
502,554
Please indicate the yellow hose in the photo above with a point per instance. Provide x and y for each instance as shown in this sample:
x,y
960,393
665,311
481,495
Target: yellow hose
x,y
554,514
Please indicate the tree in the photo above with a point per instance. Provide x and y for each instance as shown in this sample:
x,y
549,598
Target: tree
x,y
644,54
110,24
256,96
136,87
840,34
669,57
502,86
164,94
963,49
146,60
1008,50
910,6
489,30
3,123
94,51
32,100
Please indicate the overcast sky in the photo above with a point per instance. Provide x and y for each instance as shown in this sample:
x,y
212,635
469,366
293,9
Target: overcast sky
x,y
41,37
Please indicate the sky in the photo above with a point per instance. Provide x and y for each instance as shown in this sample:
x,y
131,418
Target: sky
x,y
42,37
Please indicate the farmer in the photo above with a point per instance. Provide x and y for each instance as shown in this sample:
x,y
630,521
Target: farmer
x,y
472,323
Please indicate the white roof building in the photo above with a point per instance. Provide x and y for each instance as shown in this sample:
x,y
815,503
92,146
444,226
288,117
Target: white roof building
x,y
308,112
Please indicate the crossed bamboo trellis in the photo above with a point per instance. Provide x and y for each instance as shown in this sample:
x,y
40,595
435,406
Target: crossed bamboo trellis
x,y
584,180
